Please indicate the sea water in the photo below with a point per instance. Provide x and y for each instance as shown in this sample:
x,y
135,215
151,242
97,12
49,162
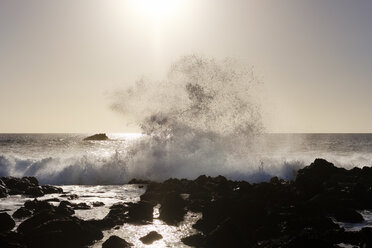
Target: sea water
x,y
99,170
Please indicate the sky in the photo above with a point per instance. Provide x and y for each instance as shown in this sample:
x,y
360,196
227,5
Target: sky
x,y
61,60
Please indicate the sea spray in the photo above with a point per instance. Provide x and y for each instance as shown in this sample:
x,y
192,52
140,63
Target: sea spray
x,y
202,119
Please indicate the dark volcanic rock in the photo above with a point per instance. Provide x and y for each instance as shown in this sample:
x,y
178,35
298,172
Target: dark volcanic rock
x,y
98,204
172,208
11,240
50,229
35,191
138,181
116,242
6,222
99,136
38,206
151,237
22,212
19,185
348,215
49,189
196,240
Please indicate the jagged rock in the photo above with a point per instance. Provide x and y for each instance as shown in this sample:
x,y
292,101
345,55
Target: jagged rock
x,y
99,136
151,237
116,242
19,185
6,222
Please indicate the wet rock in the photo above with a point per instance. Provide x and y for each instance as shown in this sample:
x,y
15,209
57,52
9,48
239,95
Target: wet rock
x,y
75,206
6,222
49,189
172,208
151,237
68,232
3,191
34,191
22,212
196,240
98,204
348,215
38,206
19,185
311,179
140,212
65,209
116,242
50,229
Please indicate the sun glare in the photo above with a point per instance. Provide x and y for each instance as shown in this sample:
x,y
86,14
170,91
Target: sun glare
x,y
157,9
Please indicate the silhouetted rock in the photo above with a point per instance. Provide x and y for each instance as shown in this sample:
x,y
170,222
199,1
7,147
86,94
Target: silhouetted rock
x,y
196,240
49,189
138,181
6,222
99,136
151,237
50,229
19,185
22,212
35,191
11,240
172,208
38,206
348,215
116,242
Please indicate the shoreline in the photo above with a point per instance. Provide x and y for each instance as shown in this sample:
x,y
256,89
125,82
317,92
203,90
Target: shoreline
x,y
310,211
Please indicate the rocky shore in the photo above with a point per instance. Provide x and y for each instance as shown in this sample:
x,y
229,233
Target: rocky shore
x,y
305,212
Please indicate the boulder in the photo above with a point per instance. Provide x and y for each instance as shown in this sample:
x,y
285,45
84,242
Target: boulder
x,y
98,204
6,222
151,237
19,185
35,191
172,208
116,242
49,189
22,212
50,229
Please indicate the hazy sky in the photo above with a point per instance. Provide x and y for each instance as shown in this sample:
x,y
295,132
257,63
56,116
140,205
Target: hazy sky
x,y
59,60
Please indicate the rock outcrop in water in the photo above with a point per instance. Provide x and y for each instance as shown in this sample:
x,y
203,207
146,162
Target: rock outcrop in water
x,y
305,212
99,136
25,186
299,213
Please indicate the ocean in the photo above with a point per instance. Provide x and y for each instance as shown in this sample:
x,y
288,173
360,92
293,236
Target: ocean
x,y
99,170
65,159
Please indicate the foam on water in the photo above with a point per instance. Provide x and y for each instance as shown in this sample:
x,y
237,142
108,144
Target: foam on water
x,y
203,118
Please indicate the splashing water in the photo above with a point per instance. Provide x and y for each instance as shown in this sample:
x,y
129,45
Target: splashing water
x,y
203,118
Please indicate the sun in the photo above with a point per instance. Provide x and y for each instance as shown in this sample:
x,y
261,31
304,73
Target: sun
x,y
157,9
